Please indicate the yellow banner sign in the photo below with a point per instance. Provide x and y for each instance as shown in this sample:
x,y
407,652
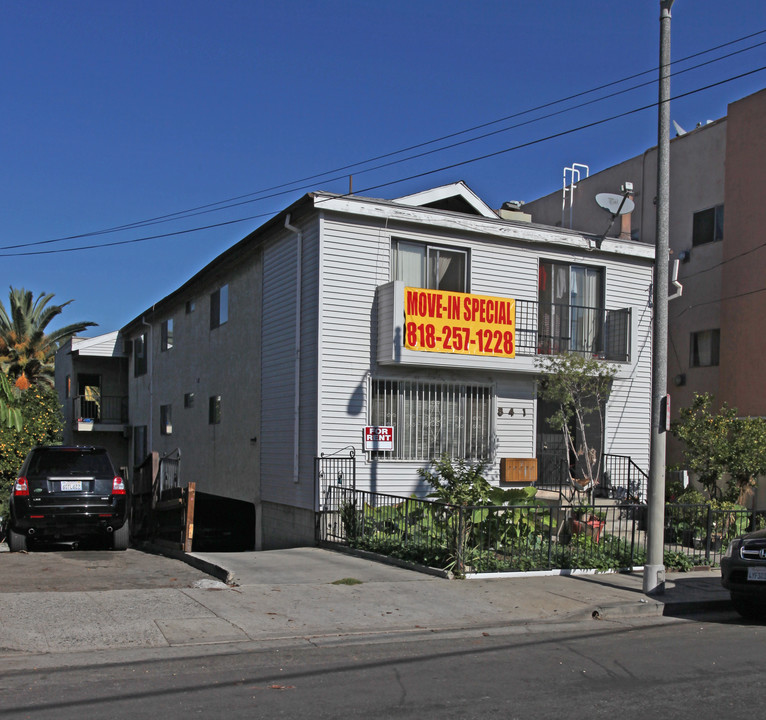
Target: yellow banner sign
x,y
452,322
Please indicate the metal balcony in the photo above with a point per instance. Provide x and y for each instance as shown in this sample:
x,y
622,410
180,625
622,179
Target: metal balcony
x,y
556,328
104,410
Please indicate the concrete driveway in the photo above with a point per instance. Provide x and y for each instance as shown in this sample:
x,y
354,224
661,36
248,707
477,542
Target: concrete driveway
x,y
304,566
89,570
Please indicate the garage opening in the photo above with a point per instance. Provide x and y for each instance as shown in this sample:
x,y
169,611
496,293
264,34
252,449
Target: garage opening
x,y
222,524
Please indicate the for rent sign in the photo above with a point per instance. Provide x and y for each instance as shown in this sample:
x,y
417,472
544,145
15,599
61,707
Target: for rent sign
x,y
452,322
378,437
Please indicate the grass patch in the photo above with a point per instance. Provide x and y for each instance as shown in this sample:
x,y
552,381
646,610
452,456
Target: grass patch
x,y
346,581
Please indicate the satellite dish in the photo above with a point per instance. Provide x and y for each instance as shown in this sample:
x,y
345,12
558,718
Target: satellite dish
x,y
615,204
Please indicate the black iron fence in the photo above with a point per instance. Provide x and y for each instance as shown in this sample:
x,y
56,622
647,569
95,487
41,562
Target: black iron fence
x,y
552,471
518,538
621,479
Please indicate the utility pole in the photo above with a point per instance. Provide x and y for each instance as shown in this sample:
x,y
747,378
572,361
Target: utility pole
x,y
654,570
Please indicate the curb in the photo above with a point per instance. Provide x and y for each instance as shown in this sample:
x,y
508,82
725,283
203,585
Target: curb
x,y
194,561
655,608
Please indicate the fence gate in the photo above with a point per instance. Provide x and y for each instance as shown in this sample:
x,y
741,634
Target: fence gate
x,y
334,470
169,475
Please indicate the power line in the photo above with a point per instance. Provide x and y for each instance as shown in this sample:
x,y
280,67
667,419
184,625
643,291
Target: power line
x,y
563,132
720,300
240,200
399,180
724,262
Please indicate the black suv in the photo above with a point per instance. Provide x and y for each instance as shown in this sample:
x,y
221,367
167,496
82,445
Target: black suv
x,y
66,493
743,574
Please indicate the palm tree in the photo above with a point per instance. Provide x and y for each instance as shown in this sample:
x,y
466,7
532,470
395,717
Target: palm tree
x,y
27,353
9,414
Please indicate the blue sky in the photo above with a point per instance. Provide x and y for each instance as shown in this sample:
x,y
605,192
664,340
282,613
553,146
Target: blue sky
x,y
118,112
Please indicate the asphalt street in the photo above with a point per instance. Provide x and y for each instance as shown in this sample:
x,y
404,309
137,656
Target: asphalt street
x,y
700,669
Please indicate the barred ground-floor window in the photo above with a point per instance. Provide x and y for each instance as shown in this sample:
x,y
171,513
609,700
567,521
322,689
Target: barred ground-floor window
x,y
433,418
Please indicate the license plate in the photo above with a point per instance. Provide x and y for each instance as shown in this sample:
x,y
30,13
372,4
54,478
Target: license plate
x,y
756,573
76,485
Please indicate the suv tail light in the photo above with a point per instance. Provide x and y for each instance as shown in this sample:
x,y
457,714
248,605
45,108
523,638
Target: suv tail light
x,y
118,486
21,488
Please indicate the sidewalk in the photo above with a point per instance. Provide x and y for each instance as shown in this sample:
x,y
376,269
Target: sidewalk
x,y
285,596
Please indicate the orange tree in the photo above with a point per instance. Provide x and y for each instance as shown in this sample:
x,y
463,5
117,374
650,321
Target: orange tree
x,y
717,442
41,424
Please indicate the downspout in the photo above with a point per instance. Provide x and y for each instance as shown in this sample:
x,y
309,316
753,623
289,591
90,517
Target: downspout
x,y
149,372
297,368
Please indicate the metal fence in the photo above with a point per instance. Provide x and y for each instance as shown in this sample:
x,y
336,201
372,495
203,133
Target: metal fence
x,y
621,479
524,537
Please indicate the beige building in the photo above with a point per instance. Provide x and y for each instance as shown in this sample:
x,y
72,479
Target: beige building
x,y
716,343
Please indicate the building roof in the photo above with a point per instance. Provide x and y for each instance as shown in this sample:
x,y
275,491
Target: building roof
x,y
455,197
453,207
102,345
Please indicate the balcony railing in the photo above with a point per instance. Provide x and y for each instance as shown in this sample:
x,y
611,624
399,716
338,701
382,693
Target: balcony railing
x,y
107,409
552,329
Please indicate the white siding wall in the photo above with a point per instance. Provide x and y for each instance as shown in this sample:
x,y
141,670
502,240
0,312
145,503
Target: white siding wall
x,y
628,417
355,261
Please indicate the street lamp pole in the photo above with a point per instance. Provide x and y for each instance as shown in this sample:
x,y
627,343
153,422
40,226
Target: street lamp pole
x,y
654,569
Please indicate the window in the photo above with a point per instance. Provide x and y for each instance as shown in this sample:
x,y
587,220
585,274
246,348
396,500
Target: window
x,y
219,307
167,334
190,307
166,419
707,226
704,348
189,400
214,410
431,418
429,266
139,444
139,356
571,312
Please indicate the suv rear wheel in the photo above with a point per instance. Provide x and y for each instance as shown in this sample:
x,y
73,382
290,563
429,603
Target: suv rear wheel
x,y
121,537
16,541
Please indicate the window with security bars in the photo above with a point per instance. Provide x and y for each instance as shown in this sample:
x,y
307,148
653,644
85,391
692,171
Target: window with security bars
x,y
431,418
